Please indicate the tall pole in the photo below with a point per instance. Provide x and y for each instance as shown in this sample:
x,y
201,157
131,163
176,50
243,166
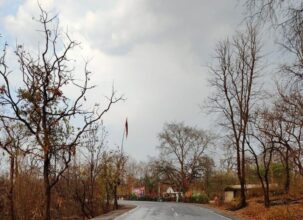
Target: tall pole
x,y
125,133
123,140
118,166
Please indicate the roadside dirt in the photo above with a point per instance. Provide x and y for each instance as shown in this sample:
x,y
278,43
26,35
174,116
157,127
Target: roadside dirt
x,y
222,211
256,211
114,214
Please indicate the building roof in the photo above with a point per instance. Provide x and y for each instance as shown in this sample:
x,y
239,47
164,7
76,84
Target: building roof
x,y
248,186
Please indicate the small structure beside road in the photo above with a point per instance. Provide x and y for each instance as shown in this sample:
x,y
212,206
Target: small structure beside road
x,y
233,191
172,194
139,191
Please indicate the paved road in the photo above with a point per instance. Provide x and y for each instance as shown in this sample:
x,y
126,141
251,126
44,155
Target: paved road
x,y
169,211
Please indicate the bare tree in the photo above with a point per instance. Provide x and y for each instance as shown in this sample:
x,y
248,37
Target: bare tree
x,y
40,105
234,81
113,169
288,16
93,146
286,134
289,106
12,137
208,165
182,149
263,154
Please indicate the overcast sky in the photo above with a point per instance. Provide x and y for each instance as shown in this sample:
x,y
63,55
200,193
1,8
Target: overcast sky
x,y
155,52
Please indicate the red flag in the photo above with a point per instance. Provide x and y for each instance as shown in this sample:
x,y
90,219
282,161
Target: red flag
x,y
126,128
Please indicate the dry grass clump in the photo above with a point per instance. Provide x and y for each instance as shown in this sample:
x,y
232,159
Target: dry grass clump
x,y
257,211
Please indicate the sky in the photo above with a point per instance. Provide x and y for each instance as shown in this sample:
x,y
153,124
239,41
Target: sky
x,y
155,53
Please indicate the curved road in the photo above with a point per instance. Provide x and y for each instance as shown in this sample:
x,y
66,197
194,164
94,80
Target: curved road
x,y
168,211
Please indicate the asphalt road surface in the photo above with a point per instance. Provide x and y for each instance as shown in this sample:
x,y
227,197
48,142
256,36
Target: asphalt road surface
x,y
169,211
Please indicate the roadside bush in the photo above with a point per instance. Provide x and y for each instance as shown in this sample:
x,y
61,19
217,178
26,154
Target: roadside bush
x,y
168,199
234,205
147,198
199,198
132,196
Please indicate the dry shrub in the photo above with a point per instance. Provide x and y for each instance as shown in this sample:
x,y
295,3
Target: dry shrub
x,y
3,198
257,211
296,189
29,197
233,205
285,212
65,201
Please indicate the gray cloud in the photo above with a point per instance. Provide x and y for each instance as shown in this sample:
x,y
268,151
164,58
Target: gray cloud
x,y
154,51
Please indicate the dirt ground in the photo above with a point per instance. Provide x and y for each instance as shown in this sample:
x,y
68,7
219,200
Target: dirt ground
x,y
256,211
114,214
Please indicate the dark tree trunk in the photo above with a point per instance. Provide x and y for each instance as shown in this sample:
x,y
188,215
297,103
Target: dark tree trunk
x,y
266,194
115,198
287,172
47,188
265,187
243,194
241,175
107,197
264,183
12,188
243,184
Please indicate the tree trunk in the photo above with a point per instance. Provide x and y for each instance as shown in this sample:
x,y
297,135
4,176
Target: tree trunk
x,y
264,183
47,188
266,194
12,188
241,177
243,193
287,171
107,197
115,198
92,191
265,187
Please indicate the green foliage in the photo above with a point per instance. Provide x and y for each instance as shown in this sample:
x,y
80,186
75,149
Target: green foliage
x,y
199,198
132,196
277,171
252,173
147,198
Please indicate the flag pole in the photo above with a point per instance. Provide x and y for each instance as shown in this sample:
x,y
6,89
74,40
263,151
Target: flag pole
x,y
125,133
122,141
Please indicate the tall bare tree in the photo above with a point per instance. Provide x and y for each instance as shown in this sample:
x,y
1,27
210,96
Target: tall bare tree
x,y
286,134
12,138
182,149
262,146
235,90
287,16
87,193
41,106
113,168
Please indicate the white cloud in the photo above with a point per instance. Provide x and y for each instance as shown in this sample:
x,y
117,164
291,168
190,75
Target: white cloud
x,y
2,2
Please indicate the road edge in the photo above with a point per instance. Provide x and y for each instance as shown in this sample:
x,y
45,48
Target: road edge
x,y
220,212
113,215
126,213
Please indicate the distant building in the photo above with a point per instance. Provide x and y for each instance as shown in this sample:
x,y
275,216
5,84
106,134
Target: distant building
x,y
233,191
172,194
139,192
